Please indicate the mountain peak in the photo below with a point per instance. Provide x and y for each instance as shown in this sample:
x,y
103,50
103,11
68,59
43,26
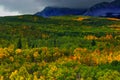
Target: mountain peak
x,y
57,11
105,8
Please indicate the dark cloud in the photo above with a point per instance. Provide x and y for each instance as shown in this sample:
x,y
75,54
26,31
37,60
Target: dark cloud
x,y
32,6
72,3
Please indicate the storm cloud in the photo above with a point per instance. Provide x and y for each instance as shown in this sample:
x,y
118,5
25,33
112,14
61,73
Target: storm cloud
x,y
32,6
72,3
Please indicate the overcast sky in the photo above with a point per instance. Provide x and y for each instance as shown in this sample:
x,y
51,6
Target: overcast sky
x,y
18,7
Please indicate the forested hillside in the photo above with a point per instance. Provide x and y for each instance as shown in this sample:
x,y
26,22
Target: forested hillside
x,y
59,48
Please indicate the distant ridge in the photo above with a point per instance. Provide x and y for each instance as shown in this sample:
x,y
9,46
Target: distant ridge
x,y
104,9
55,11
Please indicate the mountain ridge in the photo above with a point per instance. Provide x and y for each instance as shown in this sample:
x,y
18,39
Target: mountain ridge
x,y
56,11
104,9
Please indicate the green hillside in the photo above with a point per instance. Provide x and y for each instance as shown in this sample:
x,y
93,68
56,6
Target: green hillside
x,y
59,48
53,32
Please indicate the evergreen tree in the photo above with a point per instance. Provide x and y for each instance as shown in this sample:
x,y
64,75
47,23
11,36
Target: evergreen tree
x,y
93,43
19,44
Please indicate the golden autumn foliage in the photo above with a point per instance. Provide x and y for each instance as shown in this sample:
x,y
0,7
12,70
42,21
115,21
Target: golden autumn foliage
x,y
92,58
1,77
18,51
78,50
80,19
36,54
115,26
59,48
42,77
2,56
11,59
80,56
113,19
90,37
108,37
96,57
13,74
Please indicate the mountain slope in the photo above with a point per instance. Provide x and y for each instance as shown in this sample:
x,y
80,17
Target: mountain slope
x,y
106,9
53,11
111,9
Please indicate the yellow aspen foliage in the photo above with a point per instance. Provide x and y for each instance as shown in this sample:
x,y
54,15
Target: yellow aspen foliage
x,y
90,37
109,59
43,63
109,36
2,56
103,59
87,59
56,49
80,19
18,51
54,68
35,78
35,73
1,77
77,55
45,49
22,78
117,57
42,77
69,59
11,59
95,60
79,50
4,53
13,74
73,57
10,50
115,26
36,54
96,52
56,54
113,19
